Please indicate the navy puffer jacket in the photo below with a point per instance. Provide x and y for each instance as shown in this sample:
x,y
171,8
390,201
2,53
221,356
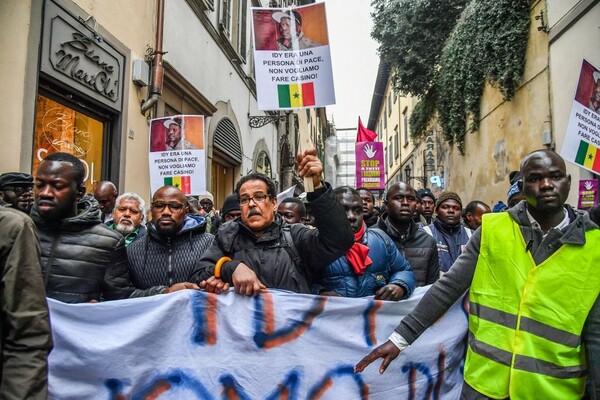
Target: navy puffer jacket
x,y
388,267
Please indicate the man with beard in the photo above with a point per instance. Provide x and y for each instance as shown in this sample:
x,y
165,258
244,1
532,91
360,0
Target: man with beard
x,y
163,260
128,216
370,214
176,136
447,230
289,26
106,195
15,190
416,246
261,250
82,259
372,267
533,281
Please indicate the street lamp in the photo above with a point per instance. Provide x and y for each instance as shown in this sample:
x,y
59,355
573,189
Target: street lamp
x,y
422,179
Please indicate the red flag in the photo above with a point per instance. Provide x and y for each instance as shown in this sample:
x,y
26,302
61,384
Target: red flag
x,y
364,134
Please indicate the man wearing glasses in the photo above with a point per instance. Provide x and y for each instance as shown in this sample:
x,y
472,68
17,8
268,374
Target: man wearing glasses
x,y
163,260
260,250
16,190
127,217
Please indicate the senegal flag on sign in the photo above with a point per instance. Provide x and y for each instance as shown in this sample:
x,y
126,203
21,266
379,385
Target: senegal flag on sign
x,y
183,183
588,156
296,95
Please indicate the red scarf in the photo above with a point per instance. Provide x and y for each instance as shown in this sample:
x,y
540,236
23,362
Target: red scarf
x,y
357,256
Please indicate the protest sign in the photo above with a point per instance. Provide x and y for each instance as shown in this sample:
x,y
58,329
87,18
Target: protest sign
x,y
177,153
370,165
582,139
292,58
588,193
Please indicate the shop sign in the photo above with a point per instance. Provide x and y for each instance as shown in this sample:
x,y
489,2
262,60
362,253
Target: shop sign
x,y
73,54
429,149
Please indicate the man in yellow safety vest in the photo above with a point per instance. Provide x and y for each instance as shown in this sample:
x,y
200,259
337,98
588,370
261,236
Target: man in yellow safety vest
x,y
534,278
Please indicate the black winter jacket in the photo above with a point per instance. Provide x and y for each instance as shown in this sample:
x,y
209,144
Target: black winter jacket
x,y
418,248
82,259
267,256
157,262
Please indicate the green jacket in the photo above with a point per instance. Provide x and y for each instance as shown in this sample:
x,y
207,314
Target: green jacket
x,y
25,340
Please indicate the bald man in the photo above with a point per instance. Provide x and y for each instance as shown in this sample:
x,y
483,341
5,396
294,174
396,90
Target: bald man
x,y
106,194
533,279
163,260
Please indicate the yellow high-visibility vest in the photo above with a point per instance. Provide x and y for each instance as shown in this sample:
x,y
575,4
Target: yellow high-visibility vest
x,y
525,320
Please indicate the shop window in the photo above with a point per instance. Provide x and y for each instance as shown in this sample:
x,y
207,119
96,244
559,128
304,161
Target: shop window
x,y
59,128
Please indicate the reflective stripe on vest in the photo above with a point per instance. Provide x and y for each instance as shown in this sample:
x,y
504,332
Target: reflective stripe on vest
x,y
525,321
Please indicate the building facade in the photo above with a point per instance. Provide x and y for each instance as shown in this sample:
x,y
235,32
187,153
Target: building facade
x,y
536,117
85,79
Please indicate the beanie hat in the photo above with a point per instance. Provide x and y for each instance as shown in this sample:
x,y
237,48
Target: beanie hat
x,y
15,178
231,203
424,192
208,196
447,196
514,189
499,207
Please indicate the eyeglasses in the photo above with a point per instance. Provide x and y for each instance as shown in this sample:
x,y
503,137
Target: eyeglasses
x,y
160,205
132,210
19,189
258,198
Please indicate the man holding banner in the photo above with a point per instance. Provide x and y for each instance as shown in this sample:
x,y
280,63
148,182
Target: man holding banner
x,y
261,250
162,261
534,315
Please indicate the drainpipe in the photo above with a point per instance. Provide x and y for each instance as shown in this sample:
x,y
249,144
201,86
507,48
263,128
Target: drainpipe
x,y
157,63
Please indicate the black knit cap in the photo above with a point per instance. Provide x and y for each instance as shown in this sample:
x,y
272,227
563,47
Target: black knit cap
x,y
231,203
15,178
424,192
447,196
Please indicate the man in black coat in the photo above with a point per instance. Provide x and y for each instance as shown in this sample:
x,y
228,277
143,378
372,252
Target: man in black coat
x,y
82,259
162,260
260,250
415,244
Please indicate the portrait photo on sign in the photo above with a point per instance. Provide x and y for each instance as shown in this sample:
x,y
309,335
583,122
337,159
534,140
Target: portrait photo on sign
x,y
178,132
588,87
290,29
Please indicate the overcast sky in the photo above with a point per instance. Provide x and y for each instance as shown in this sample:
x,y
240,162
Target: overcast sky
x,y
354,60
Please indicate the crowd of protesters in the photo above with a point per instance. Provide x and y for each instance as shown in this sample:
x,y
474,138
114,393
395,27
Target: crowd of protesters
x,y
76,247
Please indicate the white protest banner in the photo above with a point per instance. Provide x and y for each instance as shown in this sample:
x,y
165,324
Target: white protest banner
x,y
292,61
279,345
177,153
582,139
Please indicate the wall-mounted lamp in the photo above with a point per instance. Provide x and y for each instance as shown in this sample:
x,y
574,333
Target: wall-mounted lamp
x,y
540,17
